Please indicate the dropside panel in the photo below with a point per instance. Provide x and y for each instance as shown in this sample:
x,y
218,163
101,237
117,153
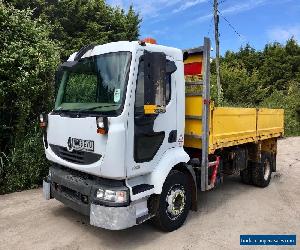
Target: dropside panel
x,y
270,123
232,126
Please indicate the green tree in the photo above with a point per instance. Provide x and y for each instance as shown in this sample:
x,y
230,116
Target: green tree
x,y
77,23
240,88
35,36
36,5
289,101
28,62
248,57
267,78
276,68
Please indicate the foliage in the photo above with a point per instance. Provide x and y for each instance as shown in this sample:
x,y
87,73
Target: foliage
x,y
268,78
35,35
35,5
28,62
290,101
77,23
25,165
77,84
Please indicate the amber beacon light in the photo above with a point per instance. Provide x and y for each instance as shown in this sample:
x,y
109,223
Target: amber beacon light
x,y
149,40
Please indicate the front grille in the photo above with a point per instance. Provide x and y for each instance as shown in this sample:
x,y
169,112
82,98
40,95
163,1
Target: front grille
x,y
75,156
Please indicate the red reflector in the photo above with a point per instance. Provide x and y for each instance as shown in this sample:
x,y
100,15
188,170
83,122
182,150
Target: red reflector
x,y
193,68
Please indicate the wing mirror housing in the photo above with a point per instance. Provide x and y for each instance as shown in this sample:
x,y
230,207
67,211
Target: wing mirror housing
x,y
154,82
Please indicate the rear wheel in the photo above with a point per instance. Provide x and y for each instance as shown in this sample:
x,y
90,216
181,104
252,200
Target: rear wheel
x,y
246,175
261,174
174,202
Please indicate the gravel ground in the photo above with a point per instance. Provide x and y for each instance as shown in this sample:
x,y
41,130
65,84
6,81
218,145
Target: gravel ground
x,y
29,222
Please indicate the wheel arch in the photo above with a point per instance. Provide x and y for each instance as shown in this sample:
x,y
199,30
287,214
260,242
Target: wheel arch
x,y
174,159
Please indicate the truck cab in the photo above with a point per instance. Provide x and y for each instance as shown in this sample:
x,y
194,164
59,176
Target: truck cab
x,y
116,130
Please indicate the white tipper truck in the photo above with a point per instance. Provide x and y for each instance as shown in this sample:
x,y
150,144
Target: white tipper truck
x,y
116,136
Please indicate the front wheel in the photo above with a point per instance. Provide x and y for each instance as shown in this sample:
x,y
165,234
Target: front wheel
x,y
174,202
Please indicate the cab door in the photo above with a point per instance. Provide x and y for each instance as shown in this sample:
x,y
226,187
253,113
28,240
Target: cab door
x,y
153,134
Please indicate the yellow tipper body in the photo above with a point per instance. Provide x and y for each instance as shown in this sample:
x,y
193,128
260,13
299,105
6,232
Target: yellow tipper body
x,y
227,126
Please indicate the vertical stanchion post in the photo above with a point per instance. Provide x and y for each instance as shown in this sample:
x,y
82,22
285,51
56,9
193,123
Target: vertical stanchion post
x,y
205,113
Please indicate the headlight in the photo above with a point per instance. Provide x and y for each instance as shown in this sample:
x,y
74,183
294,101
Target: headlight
x,y
43,120
100,122
115,196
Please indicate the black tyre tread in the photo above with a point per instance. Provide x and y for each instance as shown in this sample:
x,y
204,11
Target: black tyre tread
x,y
158,220
258,172
246,176
155,220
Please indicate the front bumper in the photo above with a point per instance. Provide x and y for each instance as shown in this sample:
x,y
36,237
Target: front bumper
x,y
108,217
113,218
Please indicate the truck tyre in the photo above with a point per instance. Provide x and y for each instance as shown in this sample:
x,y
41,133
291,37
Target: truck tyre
x,y
261,173
246,175
174,202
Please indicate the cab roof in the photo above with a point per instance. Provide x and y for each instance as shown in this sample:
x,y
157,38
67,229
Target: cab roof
x,y
131,47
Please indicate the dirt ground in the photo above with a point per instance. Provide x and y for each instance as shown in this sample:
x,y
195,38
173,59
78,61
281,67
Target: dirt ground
x,y
29,222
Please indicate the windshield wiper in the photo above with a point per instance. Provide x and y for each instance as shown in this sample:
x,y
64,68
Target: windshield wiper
x,y
62,110
99,106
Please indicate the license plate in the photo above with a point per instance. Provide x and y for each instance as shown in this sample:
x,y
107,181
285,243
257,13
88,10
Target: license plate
x,y
79,144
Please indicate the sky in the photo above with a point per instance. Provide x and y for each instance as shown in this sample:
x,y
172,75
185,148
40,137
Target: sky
x,y
183,24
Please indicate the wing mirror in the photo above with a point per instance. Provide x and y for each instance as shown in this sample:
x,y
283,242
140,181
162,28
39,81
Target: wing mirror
x,y
156,68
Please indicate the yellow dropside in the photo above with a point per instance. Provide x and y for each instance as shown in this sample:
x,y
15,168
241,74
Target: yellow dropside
x,y
270,123
232,126
227,126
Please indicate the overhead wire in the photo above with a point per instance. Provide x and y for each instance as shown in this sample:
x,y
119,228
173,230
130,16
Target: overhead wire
x,y
210,25
230,25
226,20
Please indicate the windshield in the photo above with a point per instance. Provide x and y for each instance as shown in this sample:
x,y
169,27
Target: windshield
x,y
95,83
